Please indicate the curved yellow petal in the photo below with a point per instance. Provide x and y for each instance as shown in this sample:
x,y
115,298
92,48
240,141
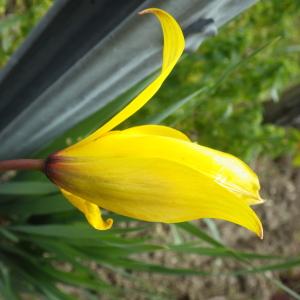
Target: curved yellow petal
x,y
90,210
161,179
155,130
156,190
224,169
173,48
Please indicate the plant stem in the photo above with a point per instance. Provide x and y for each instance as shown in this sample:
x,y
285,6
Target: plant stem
x,y
22,164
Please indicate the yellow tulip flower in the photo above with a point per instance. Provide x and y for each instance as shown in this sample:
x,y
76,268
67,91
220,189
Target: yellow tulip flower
x,y
152,172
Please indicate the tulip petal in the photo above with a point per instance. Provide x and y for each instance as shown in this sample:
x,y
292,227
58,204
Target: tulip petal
x,y
173,48
223,168
157,190
161,179
90,210
158,130
154,130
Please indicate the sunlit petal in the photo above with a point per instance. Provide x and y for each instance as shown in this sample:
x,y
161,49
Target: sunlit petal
x,y
156,130
173,48
225,169
161,178
156,190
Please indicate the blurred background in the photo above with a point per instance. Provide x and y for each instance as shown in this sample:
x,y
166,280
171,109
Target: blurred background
x,y
239,93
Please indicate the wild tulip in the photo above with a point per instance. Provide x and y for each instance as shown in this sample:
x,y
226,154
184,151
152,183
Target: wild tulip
x,y
152,172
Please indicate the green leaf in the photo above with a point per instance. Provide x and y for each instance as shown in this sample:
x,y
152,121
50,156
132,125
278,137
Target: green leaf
x,y
221,252
292,263
120,250
78,231
9,235
6,288
179,102
97,119
28,188
21,262
285,288
35,206
193,230
174,106
147,267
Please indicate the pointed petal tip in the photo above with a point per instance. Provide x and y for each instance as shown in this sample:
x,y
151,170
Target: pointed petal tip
x,y
261,233
147,11
143,12
256,200
260,200
259,229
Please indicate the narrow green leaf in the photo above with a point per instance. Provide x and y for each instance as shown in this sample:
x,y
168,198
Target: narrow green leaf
x,y
97,119
285,288
221,252
213,229
22,262
152,268
6,288
9,235
292,263
169,110
119,251
193,230
72,278
77,231
35,206
176,104
28,188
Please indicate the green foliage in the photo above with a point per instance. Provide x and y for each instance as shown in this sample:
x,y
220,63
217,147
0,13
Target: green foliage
x,y
56,247
224,84
17,19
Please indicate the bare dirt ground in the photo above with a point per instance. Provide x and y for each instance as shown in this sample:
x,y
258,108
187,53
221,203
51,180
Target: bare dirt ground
x,y
281,218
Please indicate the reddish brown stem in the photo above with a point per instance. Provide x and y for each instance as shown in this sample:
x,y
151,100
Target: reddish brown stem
x,y
22,164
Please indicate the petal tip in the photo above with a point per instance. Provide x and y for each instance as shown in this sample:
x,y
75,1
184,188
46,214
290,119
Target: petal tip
x,y
261,233
147,11
109,222
104,225
260,200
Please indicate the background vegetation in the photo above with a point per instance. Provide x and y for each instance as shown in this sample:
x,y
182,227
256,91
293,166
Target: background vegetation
x,y
251,60
217,95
